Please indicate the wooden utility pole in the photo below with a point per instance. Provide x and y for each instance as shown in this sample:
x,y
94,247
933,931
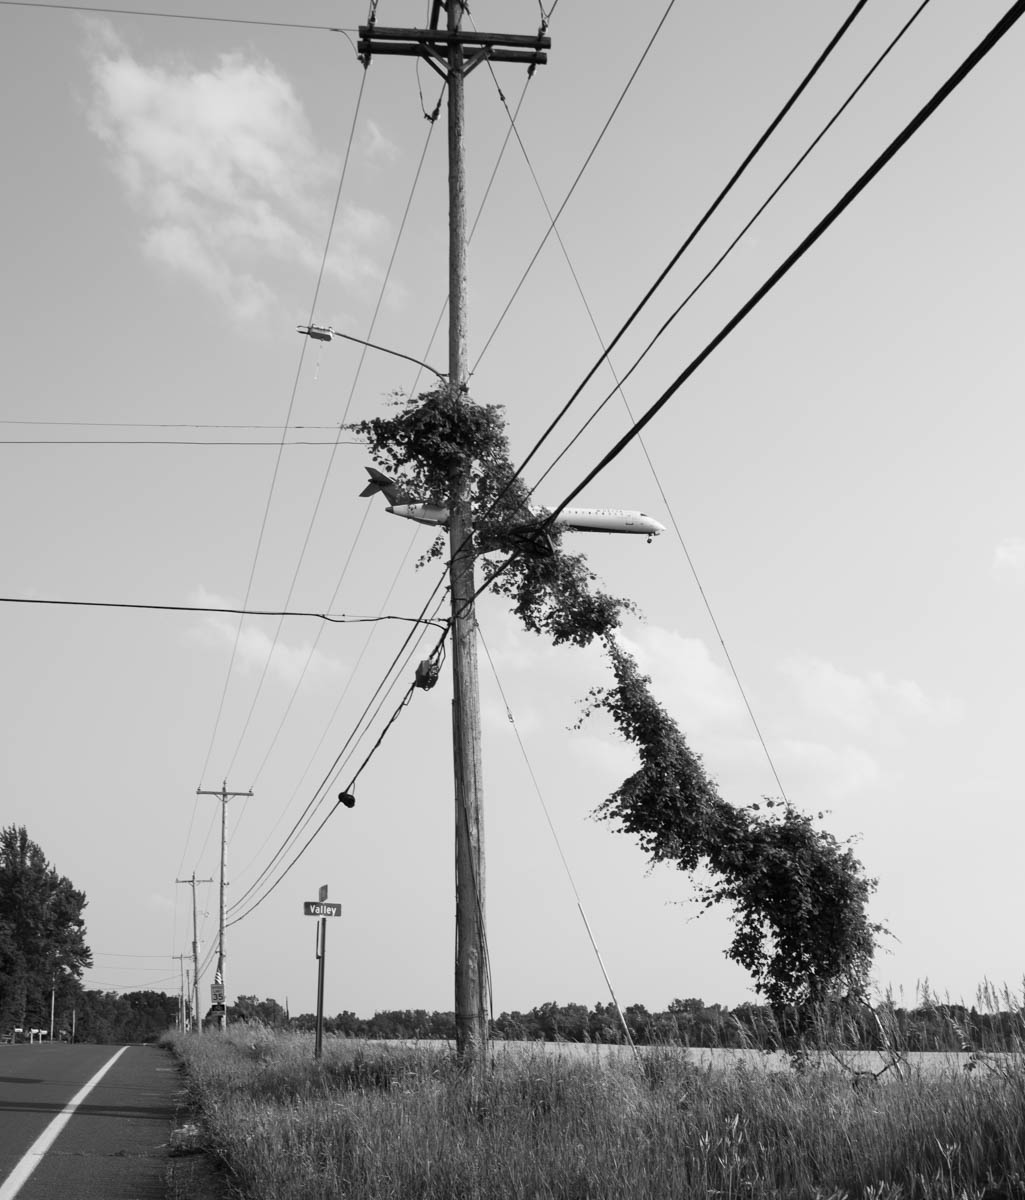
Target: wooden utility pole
x,y
453,54
217,988
181,991
197,1023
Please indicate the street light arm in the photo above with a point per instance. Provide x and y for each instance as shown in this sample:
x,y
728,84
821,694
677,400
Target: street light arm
x,y
325,333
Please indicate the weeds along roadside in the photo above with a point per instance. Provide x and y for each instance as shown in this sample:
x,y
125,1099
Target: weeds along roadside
x,y
379,1121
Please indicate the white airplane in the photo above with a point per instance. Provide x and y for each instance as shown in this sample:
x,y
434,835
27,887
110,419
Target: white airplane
x,y
580,520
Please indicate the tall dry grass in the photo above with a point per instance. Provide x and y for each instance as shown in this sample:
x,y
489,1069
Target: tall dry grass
x,y
379,1122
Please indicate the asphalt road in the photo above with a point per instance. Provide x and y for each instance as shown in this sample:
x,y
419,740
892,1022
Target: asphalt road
x,y
115,1146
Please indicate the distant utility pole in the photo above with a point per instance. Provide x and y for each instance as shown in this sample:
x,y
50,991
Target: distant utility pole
x,y
217,988
198,1024
453,54
181,990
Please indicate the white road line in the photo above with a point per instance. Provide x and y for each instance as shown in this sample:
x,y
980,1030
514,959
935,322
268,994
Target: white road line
x,y
33,1156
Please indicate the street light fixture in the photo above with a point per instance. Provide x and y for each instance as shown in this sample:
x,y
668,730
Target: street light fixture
x,y
325,333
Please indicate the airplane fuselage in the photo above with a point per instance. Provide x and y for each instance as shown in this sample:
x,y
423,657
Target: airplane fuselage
x,y
584,520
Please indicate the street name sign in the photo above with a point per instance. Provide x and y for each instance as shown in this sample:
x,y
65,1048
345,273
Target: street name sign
x,y
314,908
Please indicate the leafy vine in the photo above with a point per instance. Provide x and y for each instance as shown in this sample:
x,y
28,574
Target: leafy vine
x,y
799,897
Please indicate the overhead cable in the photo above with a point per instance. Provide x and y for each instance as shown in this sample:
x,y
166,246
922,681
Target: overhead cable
x,y
334,712
970,63
337,619
473,226
733,244
573,185
320,792
558,843
348,789
621,380
287,421
687,242
134,12
770,129
156,425
160,442
330,463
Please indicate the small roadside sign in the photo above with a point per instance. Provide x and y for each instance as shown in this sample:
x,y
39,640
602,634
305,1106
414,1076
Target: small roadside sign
x,y
314,908
216,993
322,894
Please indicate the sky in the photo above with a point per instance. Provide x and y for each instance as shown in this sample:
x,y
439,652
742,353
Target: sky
x,y
841,480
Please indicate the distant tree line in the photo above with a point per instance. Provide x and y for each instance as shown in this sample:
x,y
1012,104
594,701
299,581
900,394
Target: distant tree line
x,y
113,1018
688,1022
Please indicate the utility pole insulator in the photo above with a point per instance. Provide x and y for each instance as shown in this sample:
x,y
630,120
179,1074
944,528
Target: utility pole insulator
x,y
433,45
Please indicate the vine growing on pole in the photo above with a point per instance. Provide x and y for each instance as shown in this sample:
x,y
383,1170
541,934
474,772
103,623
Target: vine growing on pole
x,y
799,897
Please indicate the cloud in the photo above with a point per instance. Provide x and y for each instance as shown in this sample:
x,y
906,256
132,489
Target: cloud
x,y
699,693
1009,556
829,773
376,146
861,702
223,166
256,645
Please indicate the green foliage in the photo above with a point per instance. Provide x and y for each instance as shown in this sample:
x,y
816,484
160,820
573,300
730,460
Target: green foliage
x,y
110,1018
799,897
42,932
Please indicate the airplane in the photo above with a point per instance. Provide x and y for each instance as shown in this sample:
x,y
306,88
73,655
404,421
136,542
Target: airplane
x,y
579,520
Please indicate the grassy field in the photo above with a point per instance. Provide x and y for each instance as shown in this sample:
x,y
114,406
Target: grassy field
x,y
370,1122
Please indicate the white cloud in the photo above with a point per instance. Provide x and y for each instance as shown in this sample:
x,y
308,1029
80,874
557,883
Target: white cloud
x,y
828,773
376,146
861,702
256,645
1009,556
699,693
223,165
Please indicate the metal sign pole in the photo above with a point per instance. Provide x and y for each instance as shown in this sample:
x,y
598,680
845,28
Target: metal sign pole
x,y
323,909
321,955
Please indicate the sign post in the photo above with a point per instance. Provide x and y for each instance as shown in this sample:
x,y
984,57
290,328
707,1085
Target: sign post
x,y
323,909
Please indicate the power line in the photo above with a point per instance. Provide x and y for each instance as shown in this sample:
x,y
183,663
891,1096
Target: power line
x,y
736,240
573,185
770,129
133,12
334,808
555,839
352,740
338,619
970,63
314,803
309,656
334,712
687,242
160,442
288,418
621,380
658,483
156,424
330,462
114,954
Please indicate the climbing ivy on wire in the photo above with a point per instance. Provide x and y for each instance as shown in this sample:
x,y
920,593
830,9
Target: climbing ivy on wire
x,y
799,897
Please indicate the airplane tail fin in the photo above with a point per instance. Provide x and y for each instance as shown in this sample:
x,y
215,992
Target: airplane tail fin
x,y
380,482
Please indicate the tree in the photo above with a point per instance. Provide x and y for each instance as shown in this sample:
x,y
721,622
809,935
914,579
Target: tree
x,y
42,933
798,896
